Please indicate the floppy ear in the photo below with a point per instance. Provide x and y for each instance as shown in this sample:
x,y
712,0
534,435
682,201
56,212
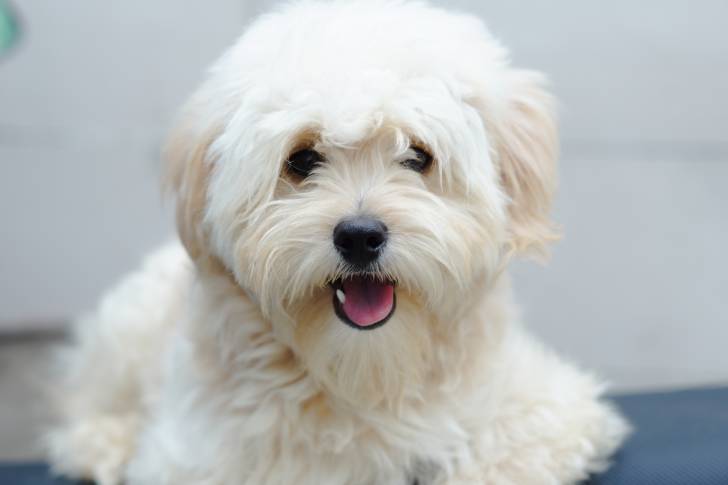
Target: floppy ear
x,y
187,169
525,140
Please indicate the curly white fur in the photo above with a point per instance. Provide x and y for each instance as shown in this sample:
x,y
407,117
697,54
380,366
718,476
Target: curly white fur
x,y
223,362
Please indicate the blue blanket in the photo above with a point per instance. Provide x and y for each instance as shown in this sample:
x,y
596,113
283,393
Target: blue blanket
x,y
680,438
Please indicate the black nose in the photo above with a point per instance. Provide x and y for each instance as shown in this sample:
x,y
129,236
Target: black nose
x,y
360,239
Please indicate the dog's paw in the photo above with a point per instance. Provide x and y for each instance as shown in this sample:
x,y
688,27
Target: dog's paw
x,y
97,448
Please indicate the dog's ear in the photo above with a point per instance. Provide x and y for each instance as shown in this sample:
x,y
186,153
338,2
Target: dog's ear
x,y
186,172
525,145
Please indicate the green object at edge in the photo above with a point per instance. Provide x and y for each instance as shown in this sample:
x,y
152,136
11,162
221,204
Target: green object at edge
x,y
8,27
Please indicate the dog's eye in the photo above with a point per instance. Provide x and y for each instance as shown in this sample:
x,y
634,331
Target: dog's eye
x,y
420,162
302,162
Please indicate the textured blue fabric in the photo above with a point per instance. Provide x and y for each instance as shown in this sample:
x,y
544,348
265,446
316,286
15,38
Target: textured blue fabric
x,y
29,474
680,438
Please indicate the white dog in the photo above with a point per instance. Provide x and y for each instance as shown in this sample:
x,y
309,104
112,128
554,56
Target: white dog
x,y
351,180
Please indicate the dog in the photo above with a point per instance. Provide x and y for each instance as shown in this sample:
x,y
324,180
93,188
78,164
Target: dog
x,y
351,181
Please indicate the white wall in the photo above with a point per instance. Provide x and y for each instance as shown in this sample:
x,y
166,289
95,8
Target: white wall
x,y
637,289
84,103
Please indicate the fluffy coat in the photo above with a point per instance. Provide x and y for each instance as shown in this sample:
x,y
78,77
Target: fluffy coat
x,y
222,362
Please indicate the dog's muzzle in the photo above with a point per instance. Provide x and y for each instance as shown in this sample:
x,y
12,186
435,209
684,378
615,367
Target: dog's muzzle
x,y
362,301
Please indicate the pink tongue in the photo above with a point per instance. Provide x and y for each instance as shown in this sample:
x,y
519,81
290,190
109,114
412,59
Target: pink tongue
x,y
367,301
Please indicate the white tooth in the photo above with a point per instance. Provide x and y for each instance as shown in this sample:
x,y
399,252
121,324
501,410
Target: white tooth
x,y
341,296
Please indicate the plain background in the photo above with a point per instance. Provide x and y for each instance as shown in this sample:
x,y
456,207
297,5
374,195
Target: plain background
x,y
637,288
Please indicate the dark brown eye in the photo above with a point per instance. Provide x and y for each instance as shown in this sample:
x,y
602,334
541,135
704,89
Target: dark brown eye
x,y
302,162
420,162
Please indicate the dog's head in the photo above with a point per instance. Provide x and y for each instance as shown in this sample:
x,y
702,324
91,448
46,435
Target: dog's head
x,y
363,169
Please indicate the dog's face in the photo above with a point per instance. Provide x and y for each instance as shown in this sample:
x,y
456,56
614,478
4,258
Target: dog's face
x,y
364,187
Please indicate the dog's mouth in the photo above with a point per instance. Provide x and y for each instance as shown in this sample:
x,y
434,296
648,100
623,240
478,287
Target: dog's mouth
x,y
363,302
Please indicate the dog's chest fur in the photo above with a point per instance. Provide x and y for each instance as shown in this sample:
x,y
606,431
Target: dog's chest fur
x,y
230,368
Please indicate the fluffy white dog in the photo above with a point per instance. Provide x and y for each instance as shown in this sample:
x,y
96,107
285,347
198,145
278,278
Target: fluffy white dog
x,y
351,181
